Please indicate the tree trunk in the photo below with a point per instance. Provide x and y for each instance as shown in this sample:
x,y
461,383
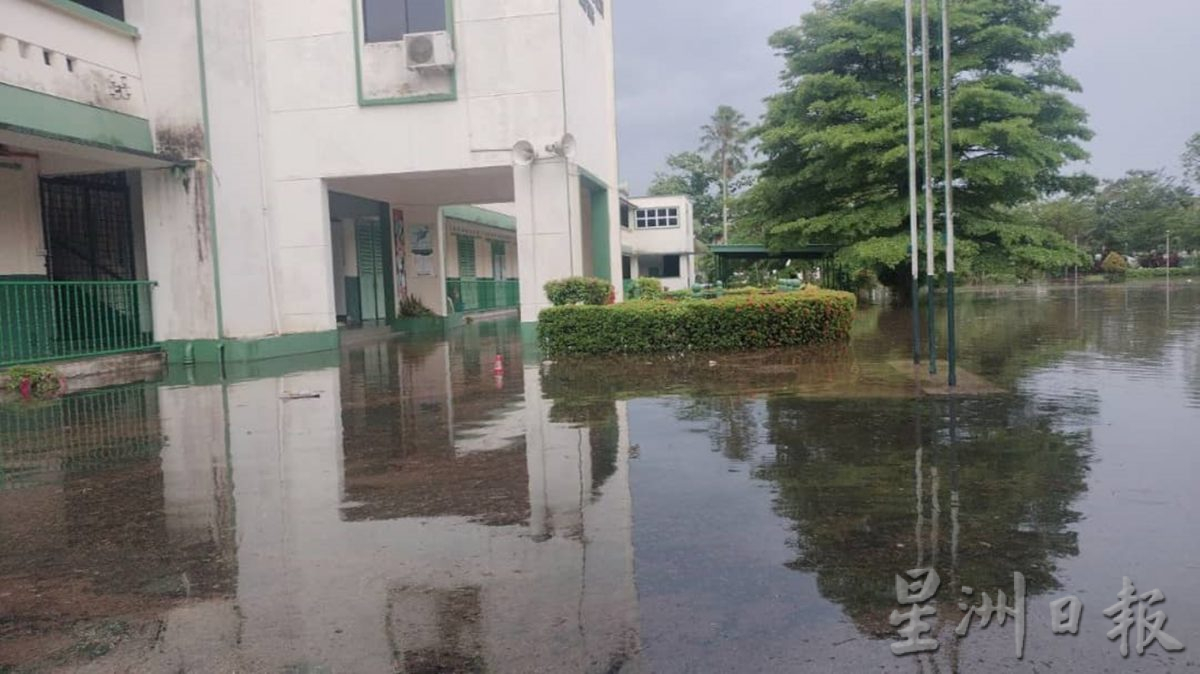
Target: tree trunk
x,y
724,198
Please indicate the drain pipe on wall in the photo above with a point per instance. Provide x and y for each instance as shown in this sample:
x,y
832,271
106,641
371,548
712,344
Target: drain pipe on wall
x,y
562,70
210,185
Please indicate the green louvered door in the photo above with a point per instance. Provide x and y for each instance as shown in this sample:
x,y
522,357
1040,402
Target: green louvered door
x,y
368,239
466,274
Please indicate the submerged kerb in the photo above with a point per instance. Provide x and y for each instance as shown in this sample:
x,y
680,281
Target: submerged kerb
x,y
753,321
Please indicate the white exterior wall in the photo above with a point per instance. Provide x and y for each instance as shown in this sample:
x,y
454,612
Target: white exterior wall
x,y
21,240
89,65
179,254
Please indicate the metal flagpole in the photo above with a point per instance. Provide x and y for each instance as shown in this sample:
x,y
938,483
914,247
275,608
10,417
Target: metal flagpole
x,y
914,244
948,146
929,264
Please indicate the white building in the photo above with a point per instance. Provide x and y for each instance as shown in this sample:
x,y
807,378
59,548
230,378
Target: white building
x,y
658,240
230,178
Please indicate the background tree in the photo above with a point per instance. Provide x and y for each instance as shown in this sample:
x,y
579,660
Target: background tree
x,y
726,137
1134,213
835,139
1191,159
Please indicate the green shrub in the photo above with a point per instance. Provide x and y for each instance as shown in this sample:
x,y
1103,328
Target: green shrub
x,y
751,321
645,288
410,306
43,380
1114,264
578,290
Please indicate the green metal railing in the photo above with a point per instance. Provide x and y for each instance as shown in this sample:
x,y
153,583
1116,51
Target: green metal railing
x,y
77,435
54,320
483,294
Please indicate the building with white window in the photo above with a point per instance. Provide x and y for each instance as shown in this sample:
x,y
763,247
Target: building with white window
x,y
658,240
234,179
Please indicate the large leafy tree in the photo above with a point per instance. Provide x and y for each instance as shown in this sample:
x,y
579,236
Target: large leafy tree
x,y
726,136
1134,213
834,140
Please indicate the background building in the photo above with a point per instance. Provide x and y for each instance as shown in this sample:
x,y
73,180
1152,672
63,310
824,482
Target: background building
x,y
658,240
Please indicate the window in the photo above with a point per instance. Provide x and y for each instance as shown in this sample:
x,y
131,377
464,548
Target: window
x,y
650,218
113,8
391,20
625,218
670,266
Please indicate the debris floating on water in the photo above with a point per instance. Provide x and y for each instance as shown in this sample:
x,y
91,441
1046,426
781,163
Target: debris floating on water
x,y
300,395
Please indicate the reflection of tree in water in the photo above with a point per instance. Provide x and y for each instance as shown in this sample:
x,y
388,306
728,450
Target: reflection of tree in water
x,y
846,474
733,424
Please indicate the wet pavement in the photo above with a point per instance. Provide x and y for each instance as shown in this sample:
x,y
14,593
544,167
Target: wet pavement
x,y
408,510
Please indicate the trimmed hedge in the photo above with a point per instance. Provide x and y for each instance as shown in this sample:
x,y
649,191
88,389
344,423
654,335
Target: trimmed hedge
x,y
646,288
729,323
578,290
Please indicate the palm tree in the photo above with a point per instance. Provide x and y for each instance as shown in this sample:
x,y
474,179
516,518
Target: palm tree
x,y
725,136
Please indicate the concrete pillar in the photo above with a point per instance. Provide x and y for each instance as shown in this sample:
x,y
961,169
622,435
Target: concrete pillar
x,y
549,229
21,243
304,275
179,255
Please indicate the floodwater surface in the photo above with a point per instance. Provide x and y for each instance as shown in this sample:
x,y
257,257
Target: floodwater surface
x,y
408,509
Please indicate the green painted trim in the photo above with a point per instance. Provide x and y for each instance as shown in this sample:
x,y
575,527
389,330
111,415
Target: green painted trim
x,y
389,261
214,250
364,102
601,229
593,179
214,374
425,325
41,114
755,250
480,216
99,18
249,350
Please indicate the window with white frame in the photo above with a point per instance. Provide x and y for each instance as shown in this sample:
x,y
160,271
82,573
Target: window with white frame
x,y
651,218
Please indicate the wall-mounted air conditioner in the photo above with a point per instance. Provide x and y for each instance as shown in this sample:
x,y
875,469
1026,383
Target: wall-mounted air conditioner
x,y
429,51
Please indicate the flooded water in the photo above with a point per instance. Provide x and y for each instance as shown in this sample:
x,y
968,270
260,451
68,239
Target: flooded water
x,y
409,510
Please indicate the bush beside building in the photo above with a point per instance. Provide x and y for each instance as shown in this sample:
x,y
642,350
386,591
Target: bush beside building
x,y
755,321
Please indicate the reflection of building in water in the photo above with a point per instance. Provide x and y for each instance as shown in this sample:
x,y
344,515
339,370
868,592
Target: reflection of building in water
x,y
404,552
420,514
107,518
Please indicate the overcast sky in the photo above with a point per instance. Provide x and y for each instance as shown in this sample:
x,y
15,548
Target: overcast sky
x,y
677,60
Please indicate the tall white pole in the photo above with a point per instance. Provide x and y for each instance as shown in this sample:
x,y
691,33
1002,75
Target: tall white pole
x,y
929,263
1168,256
914,243
948,148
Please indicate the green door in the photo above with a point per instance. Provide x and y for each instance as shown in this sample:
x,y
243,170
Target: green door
x,y
466,274
497,260
368,239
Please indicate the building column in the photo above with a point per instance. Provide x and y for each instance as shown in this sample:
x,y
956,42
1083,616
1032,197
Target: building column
x,y
179,254
549,229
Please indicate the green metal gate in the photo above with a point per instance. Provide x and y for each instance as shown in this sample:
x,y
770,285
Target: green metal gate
x,y
368,238
466,270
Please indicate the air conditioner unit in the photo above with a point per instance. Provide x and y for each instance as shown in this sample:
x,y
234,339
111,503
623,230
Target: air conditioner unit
x,y
429,51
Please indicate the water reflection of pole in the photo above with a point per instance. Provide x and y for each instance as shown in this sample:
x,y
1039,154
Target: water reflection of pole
x,y
954,505
929,264
920,487
948,155
914,246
